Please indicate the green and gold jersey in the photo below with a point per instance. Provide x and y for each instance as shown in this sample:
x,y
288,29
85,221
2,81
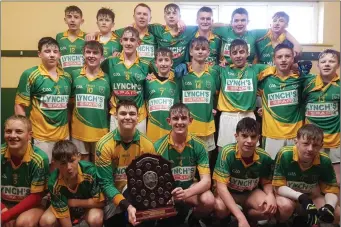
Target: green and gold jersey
x,y
214,45
265,47
184,163
281,101
91,98
111,46
230,169
113,157
49,99
71,51
177,44
160,97
147,47
323,107
87,188
228,35
127,82
30,176
238,88
198,93
288,172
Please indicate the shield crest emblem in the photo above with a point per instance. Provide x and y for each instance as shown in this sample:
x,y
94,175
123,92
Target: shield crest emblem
x,y
150,180
101,89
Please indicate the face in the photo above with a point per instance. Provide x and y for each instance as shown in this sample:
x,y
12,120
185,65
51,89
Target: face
x,y
328,64
73,20
200,52
204,21
16,135
239,55
105,24
129,42
142,16
283,59
307,149
69,169
179,122
239,23
279,24
163,64
49,55
172,17
127,117
247,141
93,57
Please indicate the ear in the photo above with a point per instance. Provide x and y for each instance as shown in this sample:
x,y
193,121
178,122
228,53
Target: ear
x,y
235,135
190,120
150,19
30,134
295,141
168,120
82,21
116,116
65,20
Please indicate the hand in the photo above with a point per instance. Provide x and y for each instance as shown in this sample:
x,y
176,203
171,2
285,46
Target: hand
x,y
71,202
4,210
260,112
326,213
179,194
132,215
243,223
214,112
270,204
223,63
115,54
294,68
181,26
310,208
91,36
149,76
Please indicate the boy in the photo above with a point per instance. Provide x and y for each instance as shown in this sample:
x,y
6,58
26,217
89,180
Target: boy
x,y
305,175
71,41
90,96
24,171
161,93
240,168
110,41
187,153
114,152
74,189
127,74
46,88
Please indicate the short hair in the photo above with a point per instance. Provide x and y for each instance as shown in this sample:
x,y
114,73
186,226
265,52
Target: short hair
x,y
21,118
281,14
334,53
249,125
310,132
239,11
199,41
172,6
142,5
205,9
106,12
238,42
71,9
93,45
63,151
163,51
47,41
282,46
132,30
127,103
179,108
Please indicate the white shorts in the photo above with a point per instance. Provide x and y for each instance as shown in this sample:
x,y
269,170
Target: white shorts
x,y
228,124
142,126
110,209
84,147
209,141
45,146
334,154
272,146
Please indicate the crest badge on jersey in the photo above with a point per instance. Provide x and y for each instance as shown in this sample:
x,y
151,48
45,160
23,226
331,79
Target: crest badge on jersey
x,y
171,92
208,84
101,89
66,88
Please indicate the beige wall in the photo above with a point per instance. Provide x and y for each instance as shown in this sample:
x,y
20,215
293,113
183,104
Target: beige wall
x,y
38,19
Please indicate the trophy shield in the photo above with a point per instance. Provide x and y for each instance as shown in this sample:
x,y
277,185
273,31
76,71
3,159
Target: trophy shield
x,y
150,183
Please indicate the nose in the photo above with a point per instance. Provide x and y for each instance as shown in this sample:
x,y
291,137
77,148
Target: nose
x,y
248,139
69,166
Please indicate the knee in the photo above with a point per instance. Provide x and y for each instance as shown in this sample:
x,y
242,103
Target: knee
x,y
47,220
337,215
220,209
95,219
285,207
207,200
25,222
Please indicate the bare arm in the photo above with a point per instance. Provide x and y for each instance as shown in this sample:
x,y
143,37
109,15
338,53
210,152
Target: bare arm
x,y
297,45
202,186
19,109
85,203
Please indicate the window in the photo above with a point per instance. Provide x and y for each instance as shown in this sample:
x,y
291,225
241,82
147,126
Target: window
x,y
303,24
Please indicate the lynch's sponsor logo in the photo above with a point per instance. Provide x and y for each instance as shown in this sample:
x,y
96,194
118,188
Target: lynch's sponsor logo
x,y
146,51
72,60
196,96
236,85
177,51
183,173
321,110
14,193
283,98
126,89
90,101
160,104
120,174
54,102
301,186
243,184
